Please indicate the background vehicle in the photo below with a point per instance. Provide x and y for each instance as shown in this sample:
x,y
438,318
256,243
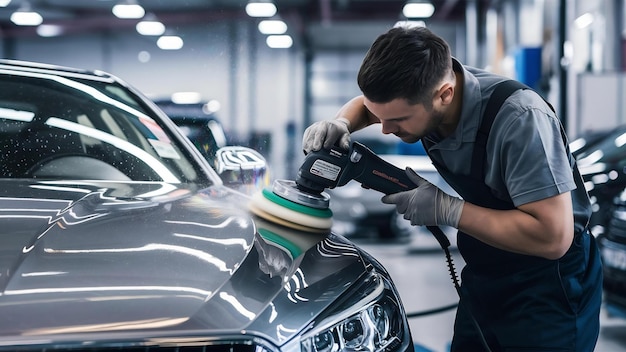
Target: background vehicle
x,y
117,234
612,244
200,124
359,212
602,164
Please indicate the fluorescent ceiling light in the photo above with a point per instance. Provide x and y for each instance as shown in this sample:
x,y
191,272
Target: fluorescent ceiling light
x,y
410,24
186,98
170,42
49,30
4,3
418,10
272,27
260,9
26,18
279,41
128,11
150,28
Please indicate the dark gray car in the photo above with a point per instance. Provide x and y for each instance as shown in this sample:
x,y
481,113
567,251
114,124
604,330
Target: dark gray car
x,y
116,234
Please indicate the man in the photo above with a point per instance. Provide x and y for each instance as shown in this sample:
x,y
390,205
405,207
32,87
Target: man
x,y
532,279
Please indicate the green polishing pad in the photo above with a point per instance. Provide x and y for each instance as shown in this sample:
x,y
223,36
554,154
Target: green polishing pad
x,y
293,250
320,213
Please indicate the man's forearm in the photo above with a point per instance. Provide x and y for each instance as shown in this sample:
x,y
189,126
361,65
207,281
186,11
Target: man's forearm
x,y
357,115
544,228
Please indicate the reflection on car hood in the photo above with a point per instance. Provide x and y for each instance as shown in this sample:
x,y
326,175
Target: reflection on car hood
x,y
83,257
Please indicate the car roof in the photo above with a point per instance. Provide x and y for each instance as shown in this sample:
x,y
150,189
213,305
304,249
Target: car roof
x,y
37,67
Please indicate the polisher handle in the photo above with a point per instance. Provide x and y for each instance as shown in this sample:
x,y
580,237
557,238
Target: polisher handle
x,y
373,172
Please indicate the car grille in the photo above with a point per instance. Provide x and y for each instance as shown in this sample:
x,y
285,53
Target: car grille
x,y
230,347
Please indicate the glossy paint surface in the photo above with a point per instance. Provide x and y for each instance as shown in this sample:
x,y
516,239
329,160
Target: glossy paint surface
x,y
82,257
114,228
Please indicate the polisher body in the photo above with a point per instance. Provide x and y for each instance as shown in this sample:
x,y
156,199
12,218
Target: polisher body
x,y
330,168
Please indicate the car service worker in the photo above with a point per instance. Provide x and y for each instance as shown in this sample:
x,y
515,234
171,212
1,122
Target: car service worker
x,y
533,278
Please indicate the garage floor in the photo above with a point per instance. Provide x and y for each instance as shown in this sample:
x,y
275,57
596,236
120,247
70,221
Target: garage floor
x,y
419,269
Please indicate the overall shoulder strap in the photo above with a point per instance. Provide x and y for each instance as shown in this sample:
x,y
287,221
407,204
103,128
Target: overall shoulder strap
x,y
501,92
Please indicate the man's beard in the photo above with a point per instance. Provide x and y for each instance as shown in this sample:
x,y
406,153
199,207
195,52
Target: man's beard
x,y
436,119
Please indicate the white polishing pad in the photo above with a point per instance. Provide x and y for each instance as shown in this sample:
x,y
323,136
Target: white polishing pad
x,y
274,212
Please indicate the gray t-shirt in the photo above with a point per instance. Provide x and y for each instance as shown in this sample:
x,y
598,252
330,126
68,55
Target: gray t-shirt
x,y
526,158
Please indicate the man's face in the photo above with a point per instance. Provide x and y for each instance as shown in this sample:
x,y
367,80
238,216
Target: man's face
x,y
408,122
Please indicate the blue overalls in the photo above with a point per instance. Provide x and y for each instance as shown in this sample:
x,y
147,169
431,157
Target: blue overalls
x,y
522,302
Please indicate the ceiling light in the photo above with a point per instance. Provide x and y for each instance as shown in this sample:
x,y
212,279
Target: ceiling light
x,y
128,10
186,98
279,41
418,10
26,18
4,3
410,24
151,27
49,30
170,42
260,9
272,27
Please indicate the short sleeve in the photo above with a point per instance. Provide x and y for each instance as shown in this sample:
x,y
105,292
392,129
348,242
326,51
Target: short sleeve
x,y
529,158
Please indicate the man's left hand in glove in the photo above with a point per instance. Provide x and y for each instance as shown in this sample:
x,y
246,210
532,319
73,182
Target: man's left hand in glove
x,y
427,204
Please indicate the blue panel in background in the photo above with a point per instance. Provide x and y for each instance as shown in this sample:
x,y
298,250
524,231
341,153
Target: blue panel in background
x,y
528,66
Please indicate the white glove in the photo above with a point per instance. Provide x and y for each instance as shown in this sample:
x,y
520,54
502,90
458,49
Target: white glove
x,y
325,134
427,204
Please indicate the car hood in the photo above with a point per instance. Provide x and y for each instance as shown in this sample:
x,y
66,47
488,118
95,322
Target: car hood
x,y
155,259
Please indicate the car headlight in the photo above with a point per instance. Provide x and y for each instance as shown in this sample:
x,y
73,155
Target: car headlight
x,y
375,321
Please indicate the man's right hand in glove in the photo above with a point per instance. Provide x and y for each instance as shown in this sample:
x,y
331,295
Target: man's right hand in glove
x,y
324,134
427,204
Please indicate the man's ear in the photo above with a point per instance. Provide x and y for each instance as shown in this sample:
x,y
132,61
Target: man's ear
x,y
446,93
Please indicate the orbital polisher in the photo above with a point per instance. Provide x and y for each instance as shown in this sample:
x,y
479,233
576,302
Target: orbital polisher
x,y
302,204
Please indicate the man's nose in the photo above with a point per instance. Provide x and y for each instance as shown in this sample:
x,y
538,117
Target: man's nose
x,y
387,128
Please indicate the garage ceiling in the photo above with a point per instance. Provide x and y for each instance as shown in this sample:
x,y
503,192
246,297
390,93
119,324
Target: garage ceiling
x,y
344,20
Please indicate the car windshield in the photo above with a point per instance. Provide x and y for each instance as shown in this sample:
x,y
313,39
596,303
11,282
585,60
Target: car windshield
x,y
74,127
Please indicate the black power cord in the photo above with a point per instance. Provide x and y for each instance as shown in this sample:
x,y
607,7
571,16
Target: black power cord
x,y
445,244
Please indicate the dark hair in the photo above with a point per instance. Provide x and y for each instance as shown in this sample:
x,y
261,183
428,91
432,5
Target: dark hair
x,y
404,63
